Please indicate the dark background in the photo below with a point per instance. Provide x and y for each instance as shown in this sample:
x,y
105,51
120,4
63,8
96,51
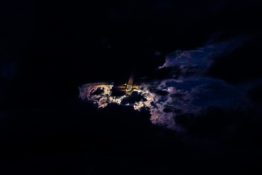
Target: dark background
x,y
49,48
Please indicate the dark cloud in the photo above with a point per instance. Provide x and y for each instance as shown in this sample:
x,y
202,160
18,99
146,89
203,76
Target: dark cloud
x,y
8,70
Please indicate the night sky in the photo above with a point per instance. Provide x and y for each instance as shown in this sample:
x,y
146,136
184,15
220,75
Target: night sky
x,y
48,49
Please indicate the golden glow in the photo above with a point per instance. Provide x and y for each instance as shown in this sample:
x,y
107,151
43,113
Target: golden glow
x,y
129,87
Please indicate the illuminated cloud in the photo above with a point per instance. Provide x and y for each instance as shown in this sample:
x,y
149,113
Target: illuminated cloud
x,y
197,61
190,92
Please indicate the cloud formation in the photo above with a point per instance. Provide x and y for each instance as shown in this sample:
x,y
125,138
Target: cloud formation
x,y
187,91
